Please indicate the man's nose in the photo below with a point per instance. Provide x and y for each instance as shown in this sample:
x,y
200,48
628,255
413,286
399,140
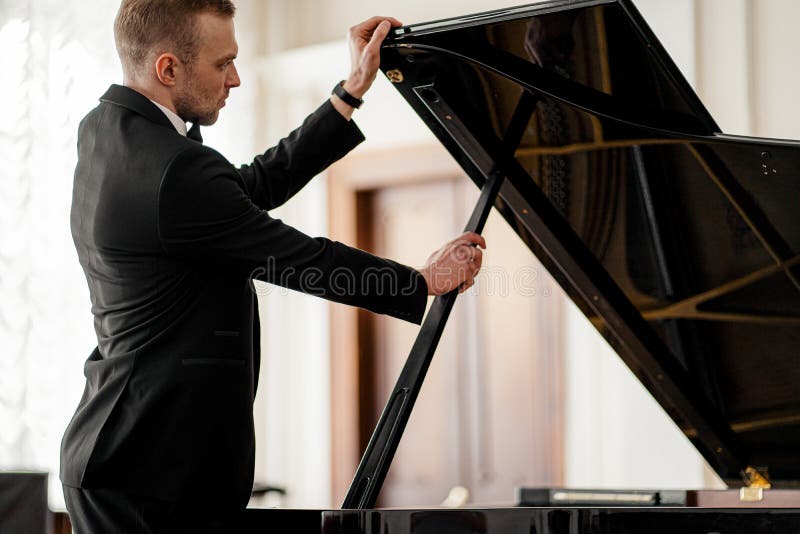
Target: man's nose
x,y
233,77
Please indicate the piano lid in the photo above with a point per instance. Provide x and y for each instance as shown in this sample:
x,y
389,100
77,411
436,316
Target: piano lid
x,y
679,243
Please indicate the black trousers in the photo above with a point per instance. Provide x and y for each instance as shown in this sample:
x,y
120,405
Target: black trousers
x,y
104,511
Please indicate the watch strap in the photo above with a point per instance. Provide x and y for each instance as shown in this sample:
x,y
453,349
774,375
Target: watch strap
x,y
346,97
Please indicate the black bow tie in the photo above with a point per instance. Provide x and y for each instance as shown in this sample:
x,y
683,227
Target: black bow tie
x,y
194,133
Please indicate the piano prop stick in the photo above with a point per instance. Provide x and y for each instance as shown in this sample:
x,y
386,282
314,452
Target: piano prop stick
x,y
383,444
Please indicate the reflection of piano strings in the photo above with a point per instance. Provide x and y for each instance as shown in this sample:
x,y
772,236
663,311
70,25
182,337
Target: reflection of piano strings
x,y
605,68
759,224
688,307
593,146
581,497
753,425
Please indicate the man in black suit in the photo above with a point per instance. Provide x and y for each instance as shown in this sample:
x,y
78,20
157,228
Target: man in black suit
x,y
169,235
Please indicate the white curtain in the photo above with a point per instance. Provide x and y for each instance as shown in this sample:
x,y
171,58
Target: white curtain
x,y
56,58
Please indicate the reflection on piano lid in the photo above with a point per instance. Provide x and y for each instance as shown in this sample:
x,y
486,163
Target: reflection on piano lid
x,y
599,497
749,497
679,243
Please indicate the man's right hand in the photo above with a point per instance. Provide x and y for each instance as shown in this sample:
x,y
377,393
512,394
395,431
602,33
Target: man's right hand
x,y
455,265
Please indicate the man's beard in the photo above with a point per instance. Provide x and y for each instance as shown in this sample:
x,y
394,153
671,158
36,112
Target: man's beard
x,y
194,107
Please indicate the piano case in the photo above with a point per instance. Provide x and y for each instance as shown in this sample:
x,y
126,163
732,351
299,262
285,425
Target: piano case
x,y
680,244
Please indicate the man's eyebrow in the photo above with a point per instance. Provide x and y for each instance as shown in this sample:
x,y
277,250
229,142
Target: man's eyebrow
x,y
228,57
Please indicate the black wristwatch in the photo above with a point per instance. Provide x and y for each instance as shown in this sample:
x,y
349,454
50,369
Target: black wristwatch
x,y
346,97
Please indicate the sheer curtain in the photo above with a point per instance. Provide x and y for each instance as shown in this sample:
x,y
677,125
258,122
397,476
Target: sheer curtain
x,y
56,57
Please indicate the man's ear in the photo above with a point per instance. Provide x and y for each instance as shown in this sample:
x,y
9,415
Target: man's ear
x,y
167,67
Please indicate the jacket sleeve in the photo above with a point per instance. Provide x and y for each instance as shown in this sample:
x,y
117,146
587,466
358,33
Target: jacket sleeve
x,y
206,217
277,175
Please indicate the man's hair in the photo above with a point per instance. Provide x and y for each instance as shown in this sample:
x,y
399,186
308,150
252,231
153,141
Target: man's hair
x,y
142,26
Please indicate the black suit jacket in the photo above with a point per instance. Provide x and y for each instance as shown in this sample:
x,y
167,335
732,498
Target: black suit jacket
x,y
169,235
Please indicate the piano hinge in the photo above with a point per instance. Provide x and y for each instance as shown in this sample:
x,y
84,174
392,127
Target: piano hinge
x,y
395,75
756,482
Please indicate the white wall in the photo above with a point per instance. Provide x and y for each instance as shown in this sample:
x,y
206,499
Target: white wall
x,y
747,67
724,52
773,66
310,22
293,405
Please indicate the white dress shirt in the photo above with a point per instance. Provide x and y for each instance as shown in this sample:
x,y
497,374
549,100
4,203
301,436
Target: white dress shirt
x,y
176,121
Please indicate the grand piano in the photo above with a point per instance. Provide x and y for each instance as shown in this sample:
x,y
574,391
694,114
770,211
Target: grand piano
x,y
680,244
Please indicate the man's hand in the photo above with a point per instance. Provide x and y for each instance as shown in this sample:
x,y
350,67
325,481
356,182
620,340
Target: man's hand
x,y
364,41
455,265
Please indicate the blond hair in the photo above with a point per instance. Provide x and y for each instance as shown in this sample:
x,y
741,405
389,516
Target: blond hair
x,y
144,27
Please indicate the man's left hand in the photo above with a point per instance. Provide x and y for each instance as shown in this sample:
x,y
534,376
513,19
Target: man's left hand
x,y
365,41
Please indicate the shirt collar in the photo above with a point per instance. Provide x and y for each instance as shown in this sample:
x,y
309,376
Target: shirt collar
x,y
128,98
173,117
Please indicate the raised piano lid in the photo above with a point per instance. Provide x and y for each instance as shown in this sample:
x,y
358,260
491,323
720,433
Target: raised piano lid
x,y
680,244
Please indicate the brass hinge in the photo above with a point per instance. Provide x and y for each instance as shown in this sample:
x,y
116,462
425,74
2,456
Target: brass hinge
x,y
395,75
756,482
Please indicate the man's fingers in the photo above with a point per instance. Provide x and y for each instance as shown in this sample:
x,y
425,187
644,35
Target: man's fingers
x,y
467,284
372,22
379,35
468,252
463,252
474,239
477,256
456,264
393,21
365,29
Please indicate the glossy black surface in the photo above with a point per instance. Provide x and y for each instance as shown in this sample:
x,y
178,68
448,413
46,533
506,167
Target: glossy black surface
x,y
525,521
680,244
